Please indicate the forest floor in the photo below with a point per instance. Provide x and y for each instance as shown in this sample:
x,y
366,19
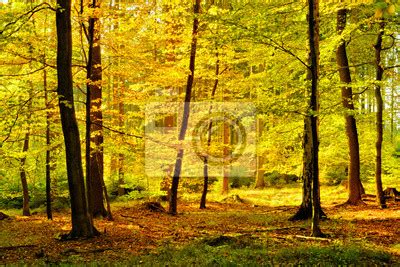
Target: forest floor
x,y
224,233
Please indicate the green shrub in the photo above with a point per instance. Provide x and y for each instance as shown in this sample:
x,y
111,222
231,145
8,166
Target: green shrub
x,y
195,185
276,178
239,177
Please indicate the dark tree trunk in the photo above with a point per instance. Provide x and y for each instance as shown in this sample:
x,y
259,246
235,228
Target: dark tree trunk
x,y
48,154
94,117
305,210
81,223
186,112
313,31
355,186
22,172
379,121
205,166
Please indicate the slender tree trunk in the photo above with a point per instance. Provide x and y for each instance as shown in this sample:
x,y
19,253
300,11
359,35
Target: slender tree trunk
x,y
225,179
313,31
354,183
379,121
22,172
205,166
392,114
121,156
48,143
94,129
186,112
305,210
260,183
81,223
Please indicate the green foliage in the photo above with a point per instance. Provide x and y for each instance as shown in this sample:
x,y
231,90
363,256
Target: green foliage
x,y
276,178
238,177
195,185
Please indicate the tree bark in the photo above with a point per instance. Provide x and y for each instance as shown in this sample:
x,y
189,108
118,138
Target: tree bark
x,y
354,183
313,32
186,112
260,183
225,179
81,223
305,210
205,166
94,129
48,143
379,121
22,172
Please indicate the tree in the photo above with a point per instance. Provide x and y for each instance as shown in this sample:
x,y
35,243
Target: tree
x,y
48,143
82,225
209,136
380,199
25,190
354,182
94,120
186,112
313,35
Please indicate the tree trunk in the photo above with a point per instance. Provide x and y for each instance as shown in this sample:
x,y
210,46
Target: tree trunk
x,y
379,121
205,166
186,112
260,183
94,129
313,31
305,210
24,183
48,143
225,179
351,126
81,223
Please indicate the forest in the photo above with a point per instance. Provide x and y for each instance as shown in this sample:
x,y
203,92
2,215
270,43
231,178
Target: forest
x,y
200,132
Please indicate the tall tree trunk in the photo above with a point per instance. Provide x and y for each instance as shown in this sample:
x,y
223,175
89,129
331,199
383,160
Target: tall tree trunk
x,y
379,121
81,223
226,151
354,183
392,114
121,156
205,166
305,210
260,183
313,31
22,172
48,143
186,111
94,129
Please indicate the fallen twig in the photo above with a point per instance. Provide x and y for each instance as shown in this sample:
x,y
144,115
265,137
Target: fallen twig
x,y
313,238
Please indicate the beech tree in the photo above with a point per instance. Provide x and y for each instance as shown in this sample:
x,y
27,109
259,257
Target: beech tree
x,y
82,225
186,111
380,198
354,181
313,35
96,190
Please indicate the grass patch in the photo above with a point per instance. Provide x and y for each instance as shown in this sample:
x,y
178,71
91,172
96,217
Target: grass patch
x,y
248,251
